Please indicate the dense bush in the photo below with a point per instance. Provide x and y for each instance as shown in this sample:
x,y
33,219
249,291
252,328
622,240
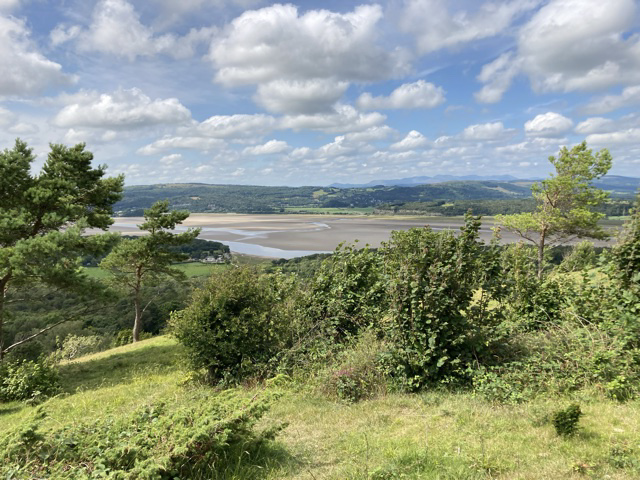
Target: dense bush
x,y
163,440
27,380
347,293
233,326
74,346
436,325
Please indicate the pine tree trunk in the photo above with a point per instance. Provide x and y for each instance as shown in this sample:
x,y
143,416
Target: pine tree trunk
x,y
137,323
541,254
3,292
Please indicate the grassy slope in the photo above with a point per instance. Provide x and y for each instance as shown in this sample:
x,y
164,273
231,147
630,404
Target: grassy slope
x,y
434,435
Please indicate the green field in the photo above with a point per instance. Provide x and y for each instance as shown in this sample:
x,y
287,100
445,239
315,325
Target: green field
x,y
331,211
434,435
191,269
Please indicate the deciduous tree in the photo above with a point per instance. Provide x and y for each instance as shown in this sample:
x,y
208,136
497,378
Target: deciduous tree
x,y
565,202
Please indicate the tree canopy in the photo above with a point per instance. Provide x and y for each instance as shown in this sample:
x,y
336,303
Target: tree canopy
x,y
564,201
135,263
43,217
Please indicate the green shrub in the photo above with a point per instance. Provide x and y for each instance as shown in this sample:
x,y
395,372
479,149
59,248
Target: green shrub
x,y
27,380
566,421
75,346
125,337
192,438
347,293
356,373
437,327
233,327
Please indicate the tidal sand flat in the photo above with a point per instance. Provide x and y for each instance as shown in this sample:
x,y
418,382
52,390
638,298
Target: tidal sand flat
x,y
288,236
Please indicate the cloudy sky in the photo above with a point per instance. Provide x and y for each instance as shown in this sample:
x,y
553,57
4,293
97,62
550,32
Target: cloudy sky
x,y
310,93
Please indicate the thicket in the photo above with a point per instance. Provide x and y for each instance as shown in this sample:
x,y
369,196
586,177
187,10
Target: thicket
x,y
438,309
191,437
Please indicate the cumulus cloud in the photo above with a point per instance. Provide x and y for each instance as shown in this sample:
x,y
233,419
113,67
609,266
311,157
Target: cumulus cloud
x,y
236,126
413,140
419,94
595,125
486,131
624,137
172,159
343,119
630,96
548,124
7,117
435,27
26,71
269,148
8,5
497,77
575,45
116,29
187,143
277,42
310,96
125,108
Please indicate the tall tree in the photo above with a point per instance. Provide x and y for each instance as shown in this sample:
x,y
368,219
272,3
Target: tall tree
x,y
565,202
43,218
136,263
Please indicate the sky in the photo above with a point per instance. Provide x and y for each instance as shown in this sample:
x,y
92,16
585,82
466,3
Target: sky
x,y
312,93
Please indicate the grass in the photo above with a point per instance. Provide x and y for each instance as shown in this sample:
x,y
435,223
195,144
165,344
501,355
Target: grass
x,y
191,269
331,211
435,435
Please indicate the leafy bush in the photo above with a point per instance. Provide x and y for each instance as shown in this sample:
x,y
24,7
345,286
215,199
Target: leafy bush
x,y
125,337
27,380
356,373
190,439
582,256
233,327
74,346
347,293
566,421
436,324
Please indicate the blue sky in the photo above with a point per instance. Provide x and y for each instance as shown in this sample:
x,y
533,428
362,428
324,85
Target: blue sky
x,y
311,93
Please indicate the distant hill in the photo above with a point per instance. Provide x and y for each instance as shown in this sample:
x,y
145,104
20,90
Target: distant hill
x,y
619,185
197,197
410,181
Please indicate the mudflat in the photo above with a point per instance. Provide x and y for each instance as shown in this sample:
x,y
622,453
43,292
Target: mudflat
x,y
289,236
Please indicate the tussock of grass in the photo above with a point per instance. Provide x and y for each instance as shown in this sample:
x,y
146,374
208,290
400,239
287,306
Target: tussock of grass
x,y
435,435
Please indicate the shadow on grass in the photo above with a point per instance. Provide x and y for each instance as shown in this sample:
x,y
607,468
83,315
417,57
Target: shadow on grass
x,y
265,460
5,410
118,368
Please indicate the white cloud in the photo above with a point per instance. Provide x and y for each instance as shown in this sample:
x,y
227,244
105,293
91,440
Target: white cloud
x,y
580,45
25,71
548,124
172,159
497,77
23,128
371,134
486,131
277,42
8,5
630,96
269,148
344,119
7,117
413,140
121,109
629,136
316,95
419,94
570,45
435,27
189,143
116,29
236,126
595,125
